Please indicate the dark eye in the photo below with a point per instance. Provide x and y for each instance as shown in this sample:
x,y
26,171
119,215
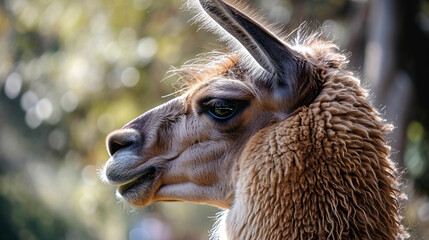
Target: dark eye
x,y
222,113
221,109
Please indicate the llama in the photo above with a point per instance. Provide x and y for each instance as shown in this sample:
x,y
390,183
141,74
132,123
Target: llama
x,y
277,133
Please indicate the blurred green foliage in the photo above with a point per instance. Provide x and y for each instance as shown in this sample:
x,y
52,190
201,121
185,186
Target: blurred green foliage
x,y
71,71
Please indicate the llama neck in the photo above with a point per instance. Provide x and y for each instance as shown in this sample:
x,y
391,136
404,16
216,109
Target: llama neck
x,y
322,173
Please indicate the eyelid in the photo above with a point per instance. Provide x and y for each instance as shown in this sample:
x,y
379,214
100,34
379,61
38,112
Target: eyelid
x,y
215,102
219,102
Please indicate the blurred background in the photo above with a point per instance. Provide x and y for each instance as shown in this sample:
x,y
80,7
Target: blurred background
x,y
73,70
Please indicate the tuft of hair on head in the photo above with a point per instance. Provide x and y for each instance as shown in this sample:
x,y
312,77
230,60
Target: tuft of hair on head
x,y
205,66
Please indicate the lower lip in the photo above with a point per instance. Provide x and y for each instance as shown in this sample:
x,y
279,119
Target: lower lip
x,y
147,176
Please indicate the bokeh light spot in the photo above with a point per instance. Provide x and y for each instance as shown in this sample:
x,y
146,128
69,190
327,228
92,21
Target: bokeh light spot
x,y
415,132
29,100
31,118
56,115
69,101
147,48
280,14
423,212
13,85
415,164
44,109
138,233
57,139
130,77
78,70
113,79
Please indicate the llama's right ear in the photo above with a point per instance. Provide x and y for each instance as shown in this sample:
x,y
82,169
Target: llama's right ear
x,y
283,69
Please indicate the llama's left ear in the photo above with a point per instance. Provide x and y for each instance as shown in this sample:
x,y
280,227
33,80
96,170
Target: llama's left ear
x,y
283,67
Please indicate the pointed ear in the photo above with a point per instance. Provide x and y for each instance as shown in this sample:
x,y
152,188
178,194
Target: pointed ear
x,y
286,73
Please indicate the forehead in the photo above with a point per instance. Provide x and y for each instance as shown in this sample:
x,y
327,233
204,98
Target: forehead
x,y
223,87
206,67
217,76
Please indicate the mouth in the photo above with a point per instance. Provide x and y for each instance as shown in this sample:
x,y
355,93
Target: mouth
x,y
147,177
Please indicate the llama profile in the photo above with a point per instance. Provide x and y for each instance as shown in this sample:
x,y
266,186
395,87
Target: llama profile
x,y
275,132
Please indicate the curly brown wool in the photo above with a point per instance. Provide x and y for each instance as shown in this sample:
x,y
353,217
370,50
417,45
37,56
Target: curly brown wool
x,y
323,173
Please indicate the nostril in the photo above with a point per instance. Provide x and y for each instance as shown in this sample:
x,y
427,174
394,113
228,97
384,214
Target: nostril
x,y
115,146
121,139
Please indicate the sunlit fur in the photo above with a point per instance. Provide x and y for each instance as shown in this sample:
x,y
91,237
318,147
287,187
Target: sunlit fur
x,y
321,171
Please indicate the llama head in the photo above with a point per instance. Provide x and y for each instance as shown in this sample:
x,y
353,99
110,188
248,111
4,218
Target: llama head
x,y
187,149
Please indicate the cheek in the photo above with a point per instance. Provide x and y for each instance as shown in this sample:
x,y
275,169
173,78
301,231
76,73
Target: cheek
x,y
206,174
206,163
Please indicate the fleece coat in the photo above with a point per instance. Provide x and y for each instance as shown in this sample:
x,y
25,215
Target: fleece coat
x,y
323,173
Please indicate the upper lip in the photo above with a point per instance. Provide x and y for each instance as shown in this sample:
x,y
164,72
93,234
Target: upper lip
x,y
120,169
135,172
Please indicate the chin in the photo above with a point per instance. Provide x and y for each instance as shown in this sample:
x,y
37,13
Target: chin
x,y
140,192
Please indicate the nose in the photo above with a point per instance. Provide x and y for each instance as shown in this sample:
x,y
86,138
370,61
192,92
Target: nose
x,y
121,139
